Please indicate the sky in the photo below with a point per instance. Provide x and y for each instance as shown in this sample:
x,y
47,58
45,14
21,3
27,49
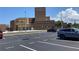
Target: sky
x,y
11,13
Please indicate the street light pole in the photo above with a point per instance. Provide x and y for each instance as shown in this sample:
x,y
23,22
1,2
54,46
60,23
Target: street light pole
x,y
25,19
61,21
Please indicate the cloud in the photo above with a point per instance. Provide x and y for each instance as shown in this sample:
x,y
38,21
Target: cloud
x,y
69,15
54,18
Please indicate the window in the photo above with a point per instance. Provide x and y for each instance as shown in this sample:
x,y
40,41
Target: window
x,y
39,9
72,30
68,30
23,28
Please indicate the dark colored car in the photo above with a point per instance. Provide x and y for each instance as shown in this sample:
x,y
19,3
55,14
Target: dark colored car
x,y
51,30
1,34
68,33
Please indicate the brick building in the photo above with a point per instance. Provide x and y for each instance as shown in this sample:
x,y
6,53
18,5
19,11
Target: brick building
x,y
4,27
40,22
21,24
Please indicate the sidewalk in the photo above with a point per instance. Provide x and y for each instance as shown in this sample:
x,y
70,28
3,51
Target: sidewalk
x,y
10,33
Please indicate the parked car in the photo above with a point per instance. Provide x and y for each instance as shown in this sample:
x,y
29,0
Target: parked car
x,y
51,30
68,33
1,34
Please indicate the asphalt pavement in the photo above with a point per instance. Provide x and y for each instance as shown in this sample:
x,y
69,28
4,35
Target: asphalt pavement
x,y
44,41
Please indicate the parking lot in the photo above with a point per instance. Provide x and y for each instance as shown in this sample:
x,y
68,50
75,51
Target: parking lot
x,y
44,41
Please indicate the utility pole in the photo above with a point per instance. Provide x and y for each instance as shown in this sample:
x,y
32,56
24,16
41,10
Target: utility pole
x,y
74,21
25,19
61,21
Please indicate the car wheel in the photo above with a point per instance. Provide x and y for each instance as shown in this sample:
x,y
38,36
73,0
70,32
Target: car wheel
x,y
62,36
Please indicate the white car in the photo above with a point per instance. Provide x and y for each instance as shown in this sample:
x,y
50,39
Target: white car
x,y
68,33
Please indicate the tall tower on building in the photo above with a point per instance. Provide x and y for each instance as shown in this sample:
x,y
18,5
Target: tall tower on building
x,y
40,22
40,13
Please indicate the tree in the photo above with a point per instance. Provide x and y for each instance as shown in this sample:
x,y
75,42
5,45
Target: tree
x,y
58,24
76,25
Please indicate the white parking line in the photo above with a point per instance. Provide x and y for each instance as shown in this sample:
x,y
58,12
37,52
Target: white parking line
x,y
45,40
58,45
27,47
31,42
9,47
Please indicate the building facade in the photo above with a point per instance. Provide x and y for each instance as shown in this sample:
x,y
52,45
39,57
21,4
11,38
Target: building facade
x,y
21,24
40,22
40,14
4,27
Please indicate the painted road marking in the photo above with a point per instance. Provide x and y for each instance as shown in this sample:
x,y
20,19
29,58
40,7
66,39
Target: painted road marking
x,y
58,45
66,41
31,42
9,47
27,47
45,40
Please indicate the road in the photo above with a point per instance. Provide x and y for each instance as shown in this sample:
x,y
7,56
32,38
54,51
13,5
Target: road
x,y
46,41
